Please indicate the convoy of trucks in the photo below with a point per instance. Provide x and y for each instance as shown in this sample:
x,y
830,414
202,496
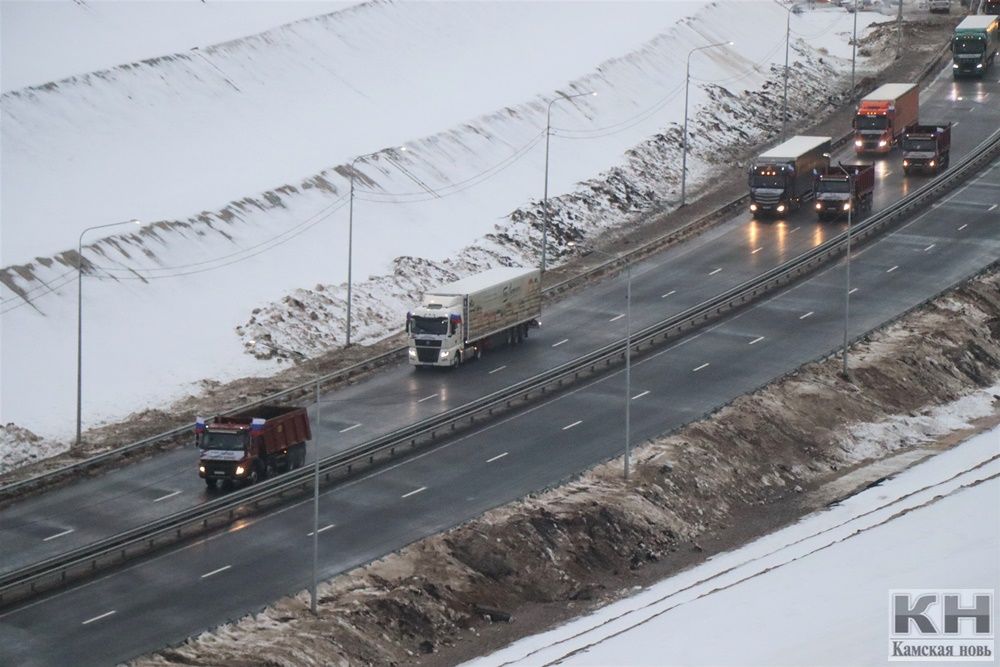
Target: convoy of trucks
x,y
844,189
252,445
926,147
782,178
458,321
974,45
882,116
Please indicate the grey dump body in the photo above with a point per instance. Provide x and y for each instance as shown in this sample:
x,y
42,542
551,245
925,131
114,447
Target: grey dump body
x,y
782,178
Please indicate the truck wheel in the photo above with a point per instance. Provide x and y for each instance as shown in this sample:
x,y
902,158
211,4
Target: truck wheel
x,y
253,477
458,359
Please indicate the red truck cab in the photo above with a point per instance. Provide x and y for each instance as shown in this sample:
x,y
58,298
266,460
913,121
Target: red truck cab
x,y
252,445
882,116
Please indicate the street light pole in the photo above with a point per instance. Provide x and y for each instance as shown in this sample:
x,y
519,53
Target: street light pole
x,y
784,104
899,30
315,569
854,49
79,321
545,192
684,143
847,279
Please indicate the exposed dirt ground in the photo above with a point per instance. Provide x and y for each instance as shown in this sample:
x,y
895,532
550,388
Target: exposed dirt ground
x,y
922,40
748,469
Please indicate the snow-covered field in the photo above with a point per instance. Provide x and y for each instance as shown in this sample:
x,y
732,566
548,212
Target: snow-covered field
x,y
814,593
235,159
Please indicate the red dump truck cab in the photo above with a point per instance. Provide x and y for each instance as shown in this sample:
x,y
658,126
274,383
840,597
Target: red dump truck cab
x,y
883,115
252,445
926,147
844,189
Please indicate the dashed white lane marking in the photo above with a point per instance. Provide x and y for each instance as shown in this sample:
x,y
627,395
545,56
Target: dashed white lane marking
x,y
712,273
809,314
321,530
756,250
215,572
887,173
929,247
564,340
992,208
427,398
169,495
954,124
640,395
963,227
52,537
892,269
97,618
616,318
349,428
664,296
756,340
854,290
414,492
497,369
695,370
496,458
569,426
793,229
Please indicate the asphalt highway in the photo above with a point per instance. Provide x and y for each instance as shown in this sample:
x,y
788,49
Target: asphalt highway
x,y
151,603
92,508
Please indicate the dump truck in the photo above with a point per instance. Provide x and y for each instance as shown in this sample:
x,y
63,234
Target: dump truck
x,y
844,189
926,147
782,178
254,444
459,321
882,116
974,45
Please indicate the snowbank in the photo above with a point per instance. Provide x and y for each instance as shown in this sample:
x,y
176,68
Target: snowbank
x,y
240,150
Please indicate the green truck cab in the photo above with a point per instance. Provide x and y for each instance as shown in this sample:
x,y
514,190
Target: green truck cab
x,y
974,45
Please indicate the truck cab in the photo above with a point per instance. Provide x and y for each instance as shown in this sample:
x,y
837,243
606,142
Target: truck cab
x,y
926,147
770,185
227,453
974,45
435,331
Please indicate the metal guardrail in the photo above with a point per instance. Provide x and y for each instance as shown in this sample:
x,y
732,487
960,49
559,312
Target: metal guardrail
x,y
83,561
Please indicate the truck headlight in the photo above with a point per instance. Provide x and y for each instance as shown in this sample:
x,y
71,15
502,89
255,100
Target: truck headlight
x,y
201,468
413,353
819,206
931,163
753,207
859,143
781,208
882,143
847,206
239,470
445,353
906,163
979,65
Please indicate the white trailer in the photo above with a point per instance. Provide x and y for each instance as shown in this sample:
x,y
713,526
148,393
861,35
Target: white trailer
x,y
458,321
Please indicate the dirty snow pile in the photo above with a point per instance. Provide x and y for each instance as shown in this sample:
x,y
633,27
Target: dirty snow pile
x,y
237,157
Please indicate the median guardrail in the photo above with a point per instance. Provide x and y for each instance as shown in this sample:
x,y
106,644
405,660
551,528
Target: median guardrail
x,y
83,561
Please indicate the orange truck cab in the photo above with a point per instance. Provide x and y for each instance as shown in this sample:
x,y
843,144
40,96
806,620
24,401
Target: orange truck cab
x,y
883,115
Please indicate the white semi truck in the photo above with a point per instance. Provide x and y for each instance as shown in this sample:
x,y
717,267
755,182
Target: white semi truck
x,y
458,321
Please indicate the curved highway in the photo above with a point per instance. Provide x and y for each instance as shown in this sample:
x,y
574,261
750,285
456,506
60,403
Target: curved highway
x,y
169,597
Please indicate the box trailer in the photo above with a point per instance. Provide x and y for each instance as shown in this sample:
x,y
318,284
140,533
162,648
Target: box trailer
x,y
251,445
782,178
882,116
974,45
459,321
926,147
845,189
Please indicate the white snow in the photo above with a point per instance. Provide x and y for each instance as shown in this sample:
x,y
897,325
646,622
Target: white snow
x,y
234,157
814,593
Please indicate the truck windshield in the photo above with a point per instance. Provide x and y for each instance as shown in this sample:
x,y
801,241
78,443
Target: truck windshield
x,y
429,325
871,122
919,145
833,186
767,177
973,45
216,440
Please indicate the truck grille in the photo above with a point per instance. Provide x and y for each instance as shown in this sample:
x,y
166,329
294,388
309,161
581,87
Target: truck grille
x,y
217,468
427,354
767,198
428,343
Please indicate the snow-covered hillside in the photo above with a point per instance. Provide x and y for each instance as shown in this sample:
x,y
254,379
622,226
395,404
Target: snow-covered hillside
x,y
236,159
